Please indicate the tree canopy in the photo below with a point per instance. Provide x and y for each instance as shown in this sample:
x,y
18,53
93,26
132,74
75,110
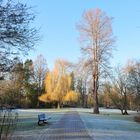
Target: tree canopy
x,y
17,35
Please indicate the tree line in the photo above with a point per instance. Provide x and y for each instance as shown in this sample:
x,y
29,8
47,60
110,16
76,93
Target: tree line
x,y
32,85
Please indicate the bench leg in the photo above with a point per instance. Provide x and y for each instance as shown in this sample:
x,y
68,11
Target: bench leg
x,y
39,123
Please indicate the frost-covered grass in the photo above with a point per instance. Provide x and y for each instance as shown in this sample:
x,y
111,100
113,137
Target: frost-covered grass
x,y
109,125
28,121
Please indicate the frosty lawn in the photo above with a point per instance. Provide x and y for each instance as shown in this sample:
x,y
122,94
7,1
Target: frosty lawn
x,y
110,125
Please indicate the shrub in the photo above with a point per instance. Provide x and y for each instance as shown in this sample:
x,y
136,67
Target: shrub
x,y
137,119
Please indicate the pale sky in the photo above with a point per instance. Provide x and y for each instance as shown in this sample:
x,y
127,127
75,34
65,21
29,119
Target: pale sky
x,y
59,36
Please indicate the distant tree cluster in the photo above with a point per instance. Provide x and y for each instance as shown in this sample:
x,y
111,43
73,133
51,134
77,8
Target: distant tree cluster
x,y
17,37
119,90
122,90
24,84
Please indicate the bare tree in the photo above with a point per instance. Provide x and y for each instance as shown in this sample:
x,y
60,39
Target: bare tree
x,y
97,43
83,82
120,90
133,69
40,71
17,36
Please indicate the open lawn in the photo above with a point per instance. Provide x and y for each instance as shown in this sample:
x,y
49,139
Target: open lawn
x,y
109,125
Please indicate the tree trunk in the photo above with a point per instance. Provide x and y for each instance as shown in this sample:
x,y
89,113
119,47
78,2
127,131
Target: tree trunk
x,y
83,99
121,111
95,78
38,93
125,104
96,106
95,96
125,112
58,105
38,104
39,90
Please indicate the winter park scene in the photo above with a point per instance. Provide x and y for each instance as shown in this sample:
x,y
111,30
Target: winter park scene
x,y
69,70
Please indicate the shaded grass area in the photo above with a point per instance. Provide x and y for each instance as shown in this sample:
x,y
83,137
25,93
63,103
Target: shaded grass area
x,y
28,123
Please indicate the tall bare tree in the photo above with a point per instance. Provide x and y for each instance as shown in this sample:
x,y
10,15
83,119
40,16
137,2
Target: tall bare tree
x,y
97,43
40,71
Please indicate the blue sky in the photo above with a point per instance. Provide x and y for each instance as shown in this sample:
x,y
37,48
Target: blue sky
x,y
59,36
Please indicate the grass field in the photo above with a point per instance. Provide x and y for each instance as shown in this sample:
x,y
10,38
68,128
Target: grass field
x,y
109,125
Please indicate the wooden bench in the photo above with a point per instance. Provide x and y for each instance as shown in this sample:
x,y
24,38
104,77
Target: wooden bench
x,y
42,119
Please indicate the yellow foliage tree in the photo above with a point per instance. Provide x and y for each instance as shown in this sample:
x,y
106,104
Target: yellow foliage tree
x,y
58,85
71,96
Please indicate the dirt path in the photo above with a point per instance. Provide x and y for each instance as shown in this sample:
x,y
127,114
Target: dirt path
x,y
70,127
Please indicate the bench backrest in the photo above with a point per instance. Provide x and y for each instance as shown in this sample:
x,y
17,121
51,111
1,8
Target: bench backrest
x,y
41,116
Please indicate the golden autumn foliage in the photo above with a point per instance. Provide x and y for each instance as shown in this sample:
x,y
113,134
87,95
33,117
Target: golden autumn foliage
x,y
58,85
71,96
